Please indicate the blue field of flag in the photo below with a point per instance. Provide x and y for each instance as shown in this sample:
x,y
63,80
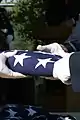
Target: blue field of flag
x,y
33,63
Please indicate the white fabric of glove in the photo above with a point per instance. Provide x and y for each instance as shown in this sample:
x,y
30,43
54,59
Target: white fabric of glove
x,y
53,48
5,72
61,67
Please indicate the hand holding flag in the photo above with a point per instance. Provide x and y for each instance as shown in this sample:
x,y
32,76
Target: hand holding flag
x,y
5,72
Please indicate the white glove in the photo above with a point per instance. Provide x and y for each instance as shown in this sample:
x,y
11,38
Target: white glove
x,y
61,69
5,72
53,48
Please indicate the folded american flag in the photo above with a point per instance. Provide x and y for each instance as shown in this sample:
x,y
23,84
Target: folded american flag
x,y
21,112
33,63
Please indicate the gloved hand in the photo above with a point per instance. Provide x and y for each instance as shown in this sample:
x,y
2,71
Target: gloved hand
x,y
61,67
53,48
5,72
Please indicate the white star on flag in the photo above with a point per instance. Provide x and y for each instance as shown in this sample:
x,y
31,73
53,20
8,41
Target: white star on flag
x,y
31,111
12,113
43,62
20,58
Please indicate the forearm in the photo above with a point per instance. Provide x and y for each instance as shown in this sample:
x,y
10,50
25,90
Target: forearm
x,y
73,41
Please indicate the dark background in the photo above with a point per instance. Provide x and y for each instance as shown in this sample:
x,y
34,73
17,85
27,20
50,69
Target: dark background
x,y
58,10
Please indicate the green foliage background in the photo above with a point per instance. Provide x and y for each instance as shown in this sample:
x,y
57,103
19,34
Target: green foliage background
x,y
26,16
